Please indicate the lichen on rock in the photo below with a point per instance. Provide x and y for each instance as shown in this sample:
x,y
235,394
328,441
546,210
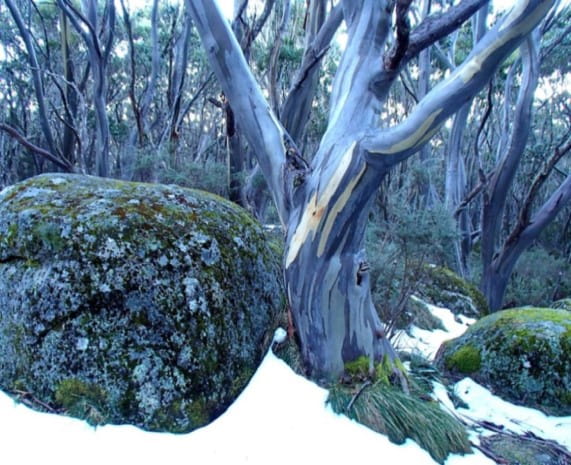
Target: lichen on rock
x,y
157,298
523,355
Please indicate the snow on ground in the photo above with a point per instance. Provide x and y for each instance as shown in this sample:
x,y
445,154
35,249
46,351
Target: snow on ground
x,y
280,418
427,342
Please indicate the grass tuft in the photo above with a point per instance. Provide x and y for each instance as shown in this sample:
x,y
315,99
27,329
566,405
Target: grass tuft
x,y
389,411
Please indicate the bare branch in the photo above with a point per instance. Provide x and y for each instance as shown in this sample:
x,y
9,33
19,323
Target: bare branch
x,y
394,57
37,78
437,26
63,164
525,212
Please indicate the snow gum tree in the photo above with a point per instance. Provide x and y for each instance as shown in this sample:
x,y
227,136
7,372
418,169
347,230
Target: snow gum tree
x,y
324,202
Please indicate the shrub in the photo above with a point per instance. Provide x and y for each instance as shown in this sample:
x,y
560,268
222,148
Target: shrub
x,y
399,247
538,279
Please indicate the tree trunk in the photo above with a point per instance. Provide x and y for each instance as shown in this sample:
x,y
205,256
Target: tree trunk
x,y
87,25
326,272
324,206
494,275
37,77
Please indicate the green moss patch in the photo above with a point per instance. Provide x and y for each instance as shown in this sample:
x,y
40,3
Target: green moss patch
x,y
82,400
464,360
524,354
446,289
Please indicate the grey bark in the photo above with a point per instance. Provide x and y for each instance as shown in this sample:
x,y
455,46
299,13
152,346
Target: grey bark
x,y
86,24
456,187
177,82
493,282
321,29
70,95
37,78
141,133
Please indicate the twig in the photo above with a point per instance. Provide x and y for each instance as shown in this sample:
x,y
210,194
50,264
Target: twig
x,y
28,399
358,393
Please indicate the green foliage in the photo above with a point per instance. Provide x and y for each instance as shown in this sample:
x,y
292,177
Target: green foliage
x,y
401,416
399,247
421,374
538,279
446,289
208,176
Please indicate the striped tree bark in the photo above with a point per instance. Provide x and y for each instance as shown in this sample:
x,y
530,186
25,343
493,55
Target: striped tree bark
x,y
324,205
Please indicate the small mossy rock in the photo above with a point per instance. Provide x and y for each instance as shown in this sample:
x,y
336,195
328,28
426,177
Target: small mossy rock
x,y
132,303
522,354
525,450
564,304
444,288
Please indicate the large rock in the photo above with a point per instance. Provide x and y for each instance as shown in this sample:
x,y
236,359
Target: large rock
x,y
524,355
131,303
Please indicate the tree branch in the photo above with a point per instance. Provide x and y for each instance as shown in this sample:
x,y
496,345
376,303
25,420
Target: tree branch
x,y
394,57
37,78
274,57
467,80
265,135
297,105
525,212
439,25
432,29
63,164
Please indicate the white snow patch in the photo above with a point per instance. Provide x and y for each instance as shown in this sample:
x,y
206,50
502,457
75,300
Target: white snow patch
x,y
427,342
280,336
483,405
281,418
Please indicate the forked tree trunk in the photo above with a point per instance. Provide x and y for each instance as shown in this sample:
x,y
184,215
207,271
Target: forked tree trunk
x,y
324,205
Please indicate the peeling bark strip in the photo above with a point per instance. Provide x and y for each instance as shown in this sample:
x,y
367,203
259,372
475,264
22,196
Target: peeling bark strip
x,y
319,202
324,207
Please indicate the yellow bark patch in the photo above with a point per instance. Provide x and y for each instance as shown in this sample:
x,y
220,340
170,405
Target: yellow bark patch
x,y
316,207
472,67
416,137
339,204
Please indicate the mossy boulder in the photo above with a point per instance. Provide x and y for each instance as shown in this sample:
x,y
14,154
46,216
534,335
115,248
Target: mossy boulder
x,y
444,288
564,304
522,354
525,450
132,303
